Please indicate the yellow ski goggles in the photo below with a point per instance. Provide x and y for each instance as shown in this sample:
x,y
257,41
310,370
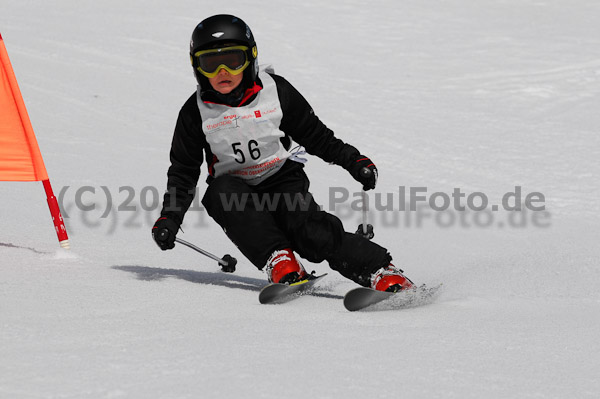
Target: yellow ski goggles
x,y
233,59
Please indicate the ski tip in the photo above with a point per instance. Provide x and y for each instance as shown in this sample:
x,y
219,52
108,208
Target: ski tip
x,y
367,298
280,293
362,297
350,306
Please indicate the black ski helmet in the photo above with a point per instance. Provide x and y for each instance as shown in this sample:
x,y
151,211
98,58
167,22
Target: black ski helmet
x,y
224,29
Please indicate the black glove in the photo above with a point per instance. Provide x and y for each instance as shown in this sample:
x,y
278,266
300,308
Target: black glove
x,y
364,171
164,232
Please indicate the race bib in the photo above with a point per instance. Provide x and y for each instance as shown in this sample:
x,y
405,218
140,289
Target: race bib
x,y
246,140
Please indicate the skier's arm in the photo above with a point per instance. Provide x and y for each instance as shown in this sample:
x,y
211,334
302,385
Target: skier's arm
x,y
300,122
186,158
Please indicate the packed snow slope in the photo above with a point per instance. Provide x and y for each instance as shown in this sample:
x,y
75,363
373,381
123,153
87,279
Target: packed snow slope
x,y
479,96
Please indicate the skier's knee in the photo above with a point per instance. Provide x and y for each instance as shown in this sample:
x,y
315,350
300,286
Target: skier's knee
x,y
318,236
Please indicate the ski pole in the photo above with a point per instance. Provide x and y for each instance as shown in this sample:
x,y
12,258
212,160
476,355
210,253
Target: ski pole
x,y
227,263
365,229
364,212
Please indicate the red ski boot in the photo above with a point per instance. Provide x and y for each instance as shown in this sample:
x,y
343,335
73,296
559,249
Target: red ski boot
x,y
284,268
390,279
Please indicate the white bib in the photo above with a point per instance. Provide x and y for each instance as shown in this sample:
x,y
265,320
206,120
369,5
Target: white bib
x,y
246,140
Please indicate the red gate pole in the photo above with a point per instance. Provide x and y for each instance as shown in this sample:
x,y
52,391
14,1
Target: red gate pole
x,y
57,219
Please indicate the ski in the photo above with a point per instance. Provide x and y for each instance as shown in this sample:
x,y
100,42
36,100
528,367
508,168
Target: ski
x,y
281,293
370,299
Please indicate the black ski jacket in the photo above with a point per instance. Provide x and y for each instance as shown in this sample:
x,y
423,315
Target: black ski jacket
x,y
189,148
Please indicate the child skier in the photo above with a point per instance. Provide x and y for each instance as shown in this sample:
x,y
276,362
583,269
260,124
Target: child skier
x,y
242,121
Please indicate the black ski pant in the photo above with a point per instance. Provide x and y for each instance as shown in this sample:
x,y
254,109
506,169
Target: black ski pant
x,y
281,213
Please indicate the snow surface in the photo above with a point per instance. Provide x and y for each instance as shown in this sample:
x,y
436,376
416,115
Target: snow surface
x,y
482,96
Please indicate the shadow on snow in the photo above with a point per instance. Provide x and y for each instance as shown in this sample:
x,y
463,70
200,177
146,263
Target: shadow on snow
x,y
211,278
228,280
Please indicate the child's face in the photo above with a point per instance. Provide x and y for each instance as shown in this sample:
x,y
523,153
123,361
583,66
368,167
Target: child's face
x,y
225,82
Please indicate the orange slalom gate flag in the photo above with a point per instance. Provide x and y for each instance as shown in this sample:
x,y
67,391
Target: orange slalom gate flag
x,y
20,156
